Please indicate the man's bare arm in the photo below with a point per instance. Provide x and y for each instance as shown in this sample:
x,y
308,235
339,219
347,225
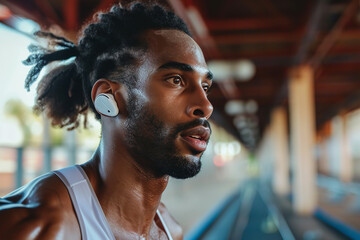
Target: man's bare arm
x,y
38,212
18,221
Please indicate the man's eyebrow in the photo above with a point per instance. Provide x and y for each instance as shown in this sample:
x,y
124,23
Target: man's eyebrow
x,y
184,67
177,65
210,76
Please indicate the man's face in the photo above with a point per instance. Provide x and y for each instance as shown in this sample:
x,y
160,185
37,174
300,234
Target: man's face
x,y
167,128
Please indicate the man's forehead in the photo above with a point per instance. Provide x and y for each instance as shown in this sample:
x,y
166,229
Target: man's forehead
x,y
167,45
171,35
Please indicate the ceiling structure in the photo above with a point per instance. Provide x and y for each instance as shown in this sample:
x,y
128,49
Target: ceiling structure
x,y
275,35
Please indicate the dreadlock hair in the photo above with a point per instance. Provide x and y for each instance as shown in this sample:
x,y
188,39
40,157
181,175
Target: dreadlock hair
x,y
109,48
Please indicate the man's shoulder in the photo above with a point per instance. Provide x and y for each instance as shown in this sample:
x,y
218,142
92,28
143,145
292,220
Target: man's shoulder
x,y
45,191
38,210
30,221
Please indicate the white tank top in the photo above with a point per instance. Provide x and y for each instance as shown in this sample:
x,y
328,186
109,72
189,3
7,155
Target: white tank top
x,y
91,218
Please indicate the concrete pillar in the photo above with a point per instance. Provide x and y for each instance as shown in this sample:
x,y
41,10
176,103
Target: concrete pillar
x,y
302,125
324,166
345,173
264,156
281,180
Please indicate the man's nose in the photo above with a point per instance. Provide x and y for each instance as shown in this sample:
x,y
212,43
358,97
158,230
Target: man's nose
x,y
200,106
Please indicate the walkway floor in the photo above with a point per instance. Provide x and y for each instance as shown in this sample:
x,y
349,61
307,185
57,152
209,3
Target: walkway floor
x,y
254,214
306,227
345,208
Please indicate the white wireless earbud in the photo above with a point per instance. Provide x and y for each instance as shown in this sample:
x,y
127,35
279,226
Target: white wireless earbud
x,y
106,105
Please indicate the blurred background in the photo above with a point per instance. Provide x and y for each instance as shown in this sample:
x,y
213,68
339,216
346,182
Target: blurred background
x,y
284,158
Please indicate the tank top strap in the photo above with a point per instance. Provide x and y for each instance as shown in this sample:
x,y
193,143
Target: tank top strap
x,y
164,225
91,218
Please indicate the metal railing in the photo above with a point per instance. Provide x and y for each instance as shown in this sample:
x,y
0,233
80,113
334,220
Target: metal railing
x,y
14,161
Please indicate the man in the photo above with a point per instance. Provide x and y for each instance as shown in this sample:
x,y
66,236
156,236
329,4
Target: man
x,y
146,80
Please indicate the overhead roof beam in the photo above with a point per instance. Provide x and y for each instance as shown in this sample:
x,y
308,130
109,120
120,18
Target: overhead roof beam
x,y
238,39
71,14
323,49
246,24
193,19
312,29
276,37
351,101
310,34
50,14
330,40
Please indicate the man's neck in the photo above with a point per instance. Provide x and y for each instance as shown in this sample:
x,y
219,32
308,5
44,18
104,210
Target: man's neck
x,y
129,196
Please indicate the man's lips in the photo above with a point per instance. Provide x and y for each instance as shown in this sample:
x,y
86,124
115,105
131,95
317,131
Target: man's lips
x,y
196,137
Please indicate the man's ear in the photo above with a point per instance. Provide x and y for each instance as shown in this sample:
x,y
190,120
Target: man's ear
x,y
116,89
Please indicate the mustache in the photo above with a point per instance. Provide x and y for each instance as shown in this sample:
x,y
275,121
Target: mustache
x,y
195,123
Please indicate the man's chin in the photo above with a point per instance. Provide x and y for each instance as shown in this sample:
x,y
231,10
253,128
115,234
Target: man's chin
x,y
185,167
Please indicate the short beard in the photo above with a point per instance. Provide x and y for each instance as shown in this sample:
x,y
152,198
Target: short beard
x,y
153,144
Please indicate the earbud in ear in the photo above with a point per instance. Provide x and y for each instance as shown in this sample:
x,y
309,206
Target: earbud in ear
x,y
105,104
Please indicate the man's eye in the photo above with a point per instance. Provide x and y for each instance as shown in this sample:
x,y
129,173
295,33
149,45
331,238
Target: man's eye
x,y
176,80
206,88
